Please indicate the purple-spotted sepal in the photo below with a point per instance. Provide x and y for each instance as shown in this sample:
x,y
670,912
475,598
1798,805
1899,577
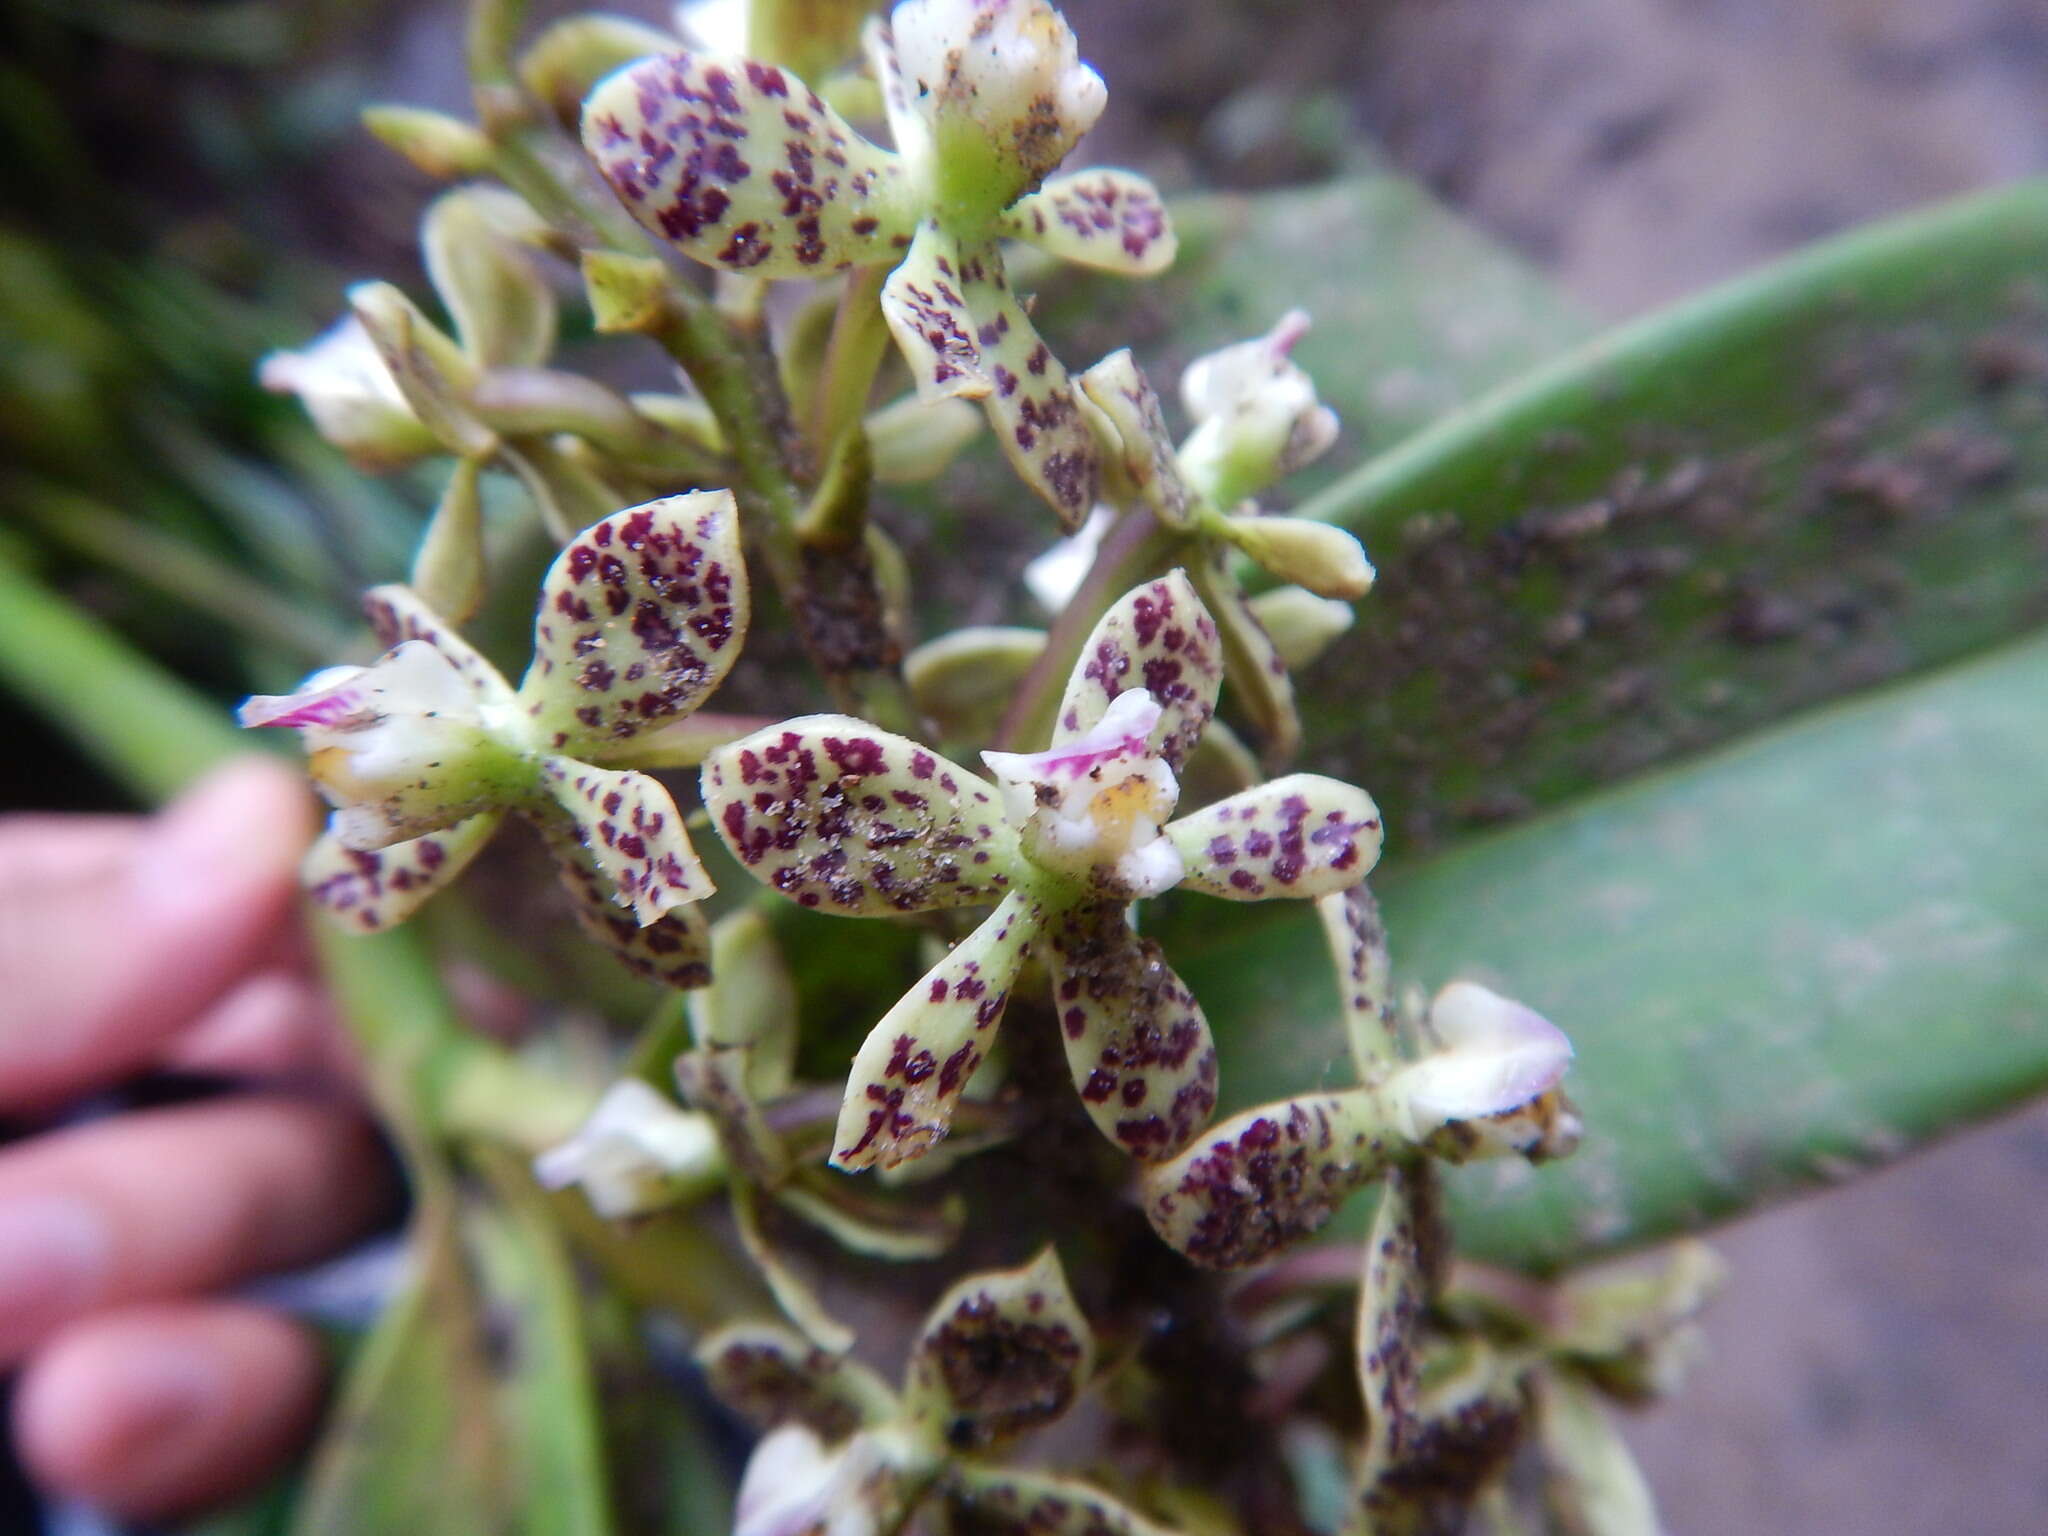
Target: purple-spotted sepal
x,y
743,166
423,751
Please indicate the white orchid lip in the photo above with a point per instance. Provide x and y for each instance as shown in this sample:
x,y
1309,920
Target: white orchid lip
x,y
1498,1057
632,1151
1100,802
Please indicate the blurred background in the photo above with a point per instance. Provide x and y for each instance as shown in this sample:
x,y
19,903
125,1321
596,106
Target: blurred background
x,y
184,186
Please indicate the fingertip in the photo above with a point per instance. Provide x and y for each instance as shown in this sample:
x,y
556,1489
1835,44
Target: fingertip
x,y
164,1410
235,836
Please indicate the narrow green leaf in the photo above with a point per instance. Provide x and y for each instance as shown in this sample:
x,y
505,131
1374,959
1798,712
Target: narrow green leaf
x,y
1780,965
1805,482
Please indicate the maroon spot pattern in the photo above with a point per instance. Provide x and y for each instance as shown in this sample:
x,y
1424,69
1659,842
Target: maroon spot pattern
x,y
674,949
744,166
372,891
1264,1179
907,1077
641,617
1158,637
1303,835
1137,1043
1002,1354
838,815
1102,218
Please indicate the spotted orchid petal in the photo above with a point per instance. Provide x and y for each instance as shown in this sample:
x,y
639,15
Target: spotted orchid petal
x,y
1001,90
1357,939
1032,407
1493,1087
1270,1176
1303,835
1109,219
743,166
371,890
1258,418
637,1152
908,129
400,747
1260,684
1094,808
1137,1042
769,1375
1403,1254
673,948
1160,638
909,1074
1471,1413
838,815
632,835
347,388
1119,388
1002,1501
642,615
1000,1353
928,315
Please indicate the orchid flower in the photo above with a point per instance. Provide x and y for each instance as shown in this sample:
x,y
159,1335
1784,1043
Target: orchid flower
x,y
1485,1085
424,752
745,167
849,819
1001,1354
1257,419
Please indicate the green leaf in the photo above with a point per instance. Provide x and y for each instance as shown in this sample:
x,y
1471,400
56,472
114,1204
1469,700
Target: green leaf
x,y
548,1390
1780,965
1803,483
412,1445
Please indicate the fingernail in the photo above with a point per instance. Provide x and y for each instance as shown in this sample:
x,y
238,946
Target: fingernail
x,y
53,1258
228,829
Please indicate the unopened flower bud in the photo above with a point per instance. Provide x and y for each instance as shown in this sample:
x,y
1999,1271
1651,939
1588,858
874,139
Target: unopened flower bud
x,y
1319,556
1002,89
562,64
1259,418
636,1153
444,147
352,397
1301,625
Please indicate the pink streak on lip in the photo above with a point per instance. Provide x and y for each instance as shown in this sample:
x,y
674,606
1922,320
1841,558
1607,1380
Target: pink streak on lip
x,y
291,710
1078,764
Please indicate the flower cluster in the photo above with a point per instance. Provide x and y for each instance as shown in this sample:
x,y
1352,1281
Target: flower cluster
x,y
746,167
1001,1354
849,819
425,751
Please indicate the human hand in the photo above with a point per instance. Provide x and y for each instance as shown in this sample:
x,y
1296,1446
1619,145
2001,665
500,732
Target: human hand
x,y
127,943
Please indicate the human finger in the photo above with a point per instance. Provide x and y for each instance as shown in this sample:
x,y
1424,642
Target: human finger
x,y
175,1202
101,963
165,1409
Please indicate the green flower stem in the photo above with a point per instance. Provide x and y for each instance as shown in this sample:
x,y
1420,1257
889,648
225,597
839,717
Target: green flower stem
x,y
1135,549
859,342
183,571
832,594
